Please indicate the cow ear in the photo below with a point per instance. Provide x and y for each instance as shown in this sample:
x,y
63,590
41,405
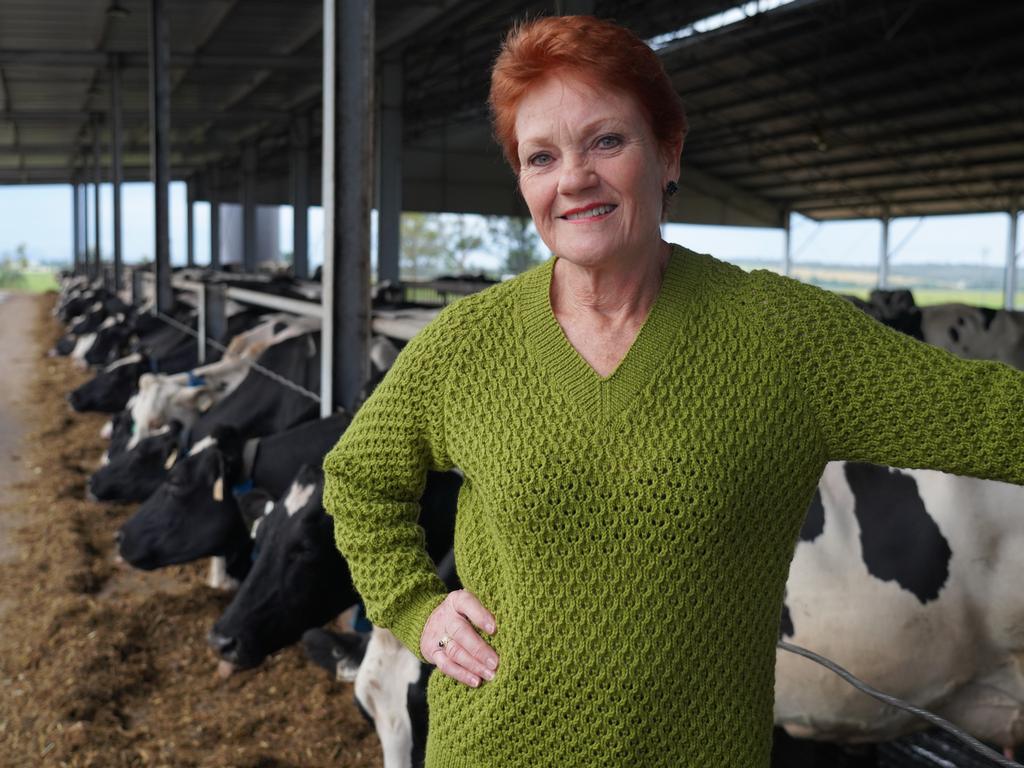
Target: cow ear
x,y
173,457
204,401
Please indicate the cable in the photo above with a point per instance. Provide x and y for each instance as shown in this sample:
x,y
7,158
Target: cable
x,y
885,698
255,366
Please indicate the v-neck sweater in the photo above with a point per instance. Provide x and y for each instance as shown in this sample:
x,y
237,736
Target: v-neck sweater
x,y
632,533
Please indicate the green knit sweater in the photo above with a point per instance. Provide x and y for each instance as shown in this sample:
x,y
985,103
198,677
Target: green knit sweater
x,y
632,534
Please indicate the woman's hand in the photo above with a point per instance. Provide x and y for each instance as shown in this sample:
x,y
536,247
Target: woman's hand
x,y
450,641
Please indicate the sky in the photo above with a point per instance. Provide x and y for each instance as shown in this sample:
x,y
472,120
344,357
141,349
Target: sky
x,y
40,218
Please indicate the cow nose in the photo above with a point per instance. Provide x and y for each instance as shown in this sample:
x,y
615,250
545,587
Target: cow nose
x,y
225,646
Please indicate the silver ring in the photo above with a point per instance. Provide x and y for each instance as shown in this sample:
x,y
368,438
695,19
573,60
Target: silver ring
x,y
444,642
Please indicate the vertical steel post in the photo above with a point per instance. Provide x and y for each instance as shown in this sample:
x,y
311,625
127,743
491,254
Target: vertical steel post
x,y
159,148
348,159
300,195
389,209
116,173
86,247
215,311
248,195
787,243
883,261
1010,281
190,201
215,218
76,228
97,262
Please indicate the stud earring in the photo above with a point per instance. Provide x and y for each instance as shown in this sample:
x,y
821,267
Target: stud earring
x,y
671,188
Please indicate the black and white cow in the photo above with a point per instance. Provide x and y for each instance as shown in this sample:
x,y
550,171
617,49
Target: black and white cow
x,y
911,580
197,511
299,579
133,475
109,390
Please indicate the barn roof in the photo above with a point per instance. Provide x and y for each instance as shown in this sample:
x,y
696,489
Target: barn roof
x,y
829,108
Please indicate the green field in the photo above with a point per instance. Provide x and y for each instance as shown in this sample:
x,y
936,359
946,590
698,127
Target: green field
x,y
29,281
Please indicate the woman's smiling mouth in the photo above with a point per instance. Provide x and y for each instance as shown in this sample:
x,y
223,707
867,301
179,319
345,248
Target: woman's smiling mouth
x,y
588,212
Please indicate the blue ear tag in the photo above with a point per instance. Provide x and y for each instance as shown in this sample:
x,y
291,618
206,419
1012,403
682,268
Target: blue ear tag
x,y
242,488
195,381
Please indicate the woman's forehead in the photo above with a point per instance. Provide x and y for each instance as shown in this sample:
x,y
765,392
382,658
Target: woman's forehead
x,y
566,103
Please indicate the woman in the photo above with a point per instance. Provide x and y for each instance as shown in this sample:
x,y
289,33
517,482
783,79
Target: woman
x,y
641,429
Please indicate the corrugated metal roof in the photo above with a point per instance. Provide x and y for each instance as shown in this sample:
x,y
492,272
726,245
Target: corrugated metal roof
x,y
830,108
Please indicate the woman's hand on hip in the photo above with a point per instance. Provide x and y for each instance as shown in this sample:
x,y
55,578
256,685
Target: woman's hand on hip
x,y
450,641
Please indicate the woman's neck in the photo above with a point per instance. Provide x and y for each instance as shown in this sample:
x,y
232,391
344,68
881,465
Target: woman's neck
x,y
609,293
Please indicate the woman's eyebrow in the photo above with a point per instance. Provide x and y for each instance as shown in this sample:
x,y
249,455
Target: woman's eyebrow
x,y
597,125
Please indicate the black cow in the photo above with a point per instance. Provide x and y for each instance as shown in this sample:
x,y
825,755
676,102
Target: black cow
x,y
109,391
260,406
299,579
134,475
194,513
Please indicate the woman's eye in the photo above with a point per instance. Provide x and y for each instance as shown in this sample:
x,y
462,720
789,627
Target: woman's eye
x,y
609,142
540,159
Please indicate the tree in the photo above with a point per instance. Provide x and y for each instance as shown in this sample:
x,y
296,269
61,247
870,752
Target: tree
x,y
421,245
519,240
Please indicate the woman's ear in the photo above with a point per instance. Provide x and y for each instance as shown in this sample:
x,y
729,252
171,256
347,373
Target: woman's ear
x,y
673,158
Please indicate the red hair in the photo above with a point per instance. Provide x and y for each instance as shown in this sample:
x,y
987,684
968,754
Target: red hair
x,y
599,52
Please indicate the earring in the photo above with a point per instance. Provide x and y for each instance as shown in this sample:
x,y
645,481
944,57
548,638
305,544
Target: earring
x,y
671,188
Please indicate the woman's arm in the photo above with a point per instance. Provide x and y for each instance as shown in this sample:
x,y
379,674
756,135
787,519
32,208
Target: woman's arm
x,y
375,476
882,397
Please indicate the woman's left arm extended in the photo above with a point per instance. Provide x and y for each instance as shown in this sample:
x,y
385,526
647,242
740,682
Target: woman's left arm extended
x,y
883,397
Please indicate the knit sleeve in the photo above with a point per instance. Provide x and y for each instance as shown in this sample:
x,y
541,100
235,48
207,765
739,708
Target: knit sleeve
x,y
374,478
883,397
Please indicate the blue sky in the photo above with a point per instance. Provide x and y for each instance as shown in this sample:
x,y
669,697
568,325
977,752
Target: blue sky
x,y
40,217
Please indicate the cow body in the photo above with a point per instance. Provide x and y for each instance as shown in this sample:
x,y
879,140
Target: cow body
x,y
911,580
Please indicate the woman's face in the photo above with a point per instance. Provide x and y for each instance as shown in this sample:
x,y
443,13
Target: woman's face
x,y
591,171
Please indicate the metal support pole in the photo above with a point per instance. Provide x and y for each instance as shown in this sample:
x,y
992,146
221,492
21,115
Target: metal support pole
x,y
116,173
190,201
214,311
883,261
248,195
300,195
1010,282
787,239
76,228
85,227
215,218
159,148
201,323
389,209
97,261
348,159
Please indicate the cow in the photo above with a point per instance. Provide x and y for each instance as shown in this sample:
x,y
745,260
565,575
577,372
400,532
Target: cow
x,y
133,475
109,391
390,682
299,579
198,512
909,579
186,396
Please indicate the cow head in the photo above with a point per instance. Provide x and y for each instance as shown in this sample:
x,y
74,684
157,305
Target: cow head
x,y
136,473
109,391
162,399
192,514
298,581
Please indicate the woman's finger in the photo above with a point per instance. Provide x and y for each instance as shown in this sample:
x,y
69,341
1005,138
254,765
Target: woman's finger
x,y
466,603
479,656
453,670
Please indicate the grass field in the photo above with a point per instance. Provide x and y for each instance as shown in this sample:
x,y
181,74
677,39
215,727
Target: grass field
x,y
30,281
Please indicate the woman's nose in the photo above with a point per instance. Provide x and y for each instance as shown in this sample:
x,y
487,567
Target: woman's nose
x,y
576,175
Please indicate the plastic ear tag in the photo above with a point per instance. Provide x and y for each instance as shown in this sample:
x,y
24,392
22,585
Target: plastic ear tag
x,y
218,489
171,459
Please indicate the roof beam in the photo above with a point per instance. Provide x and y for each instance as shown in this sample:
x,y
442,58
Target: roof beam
x,y
63,116
138,60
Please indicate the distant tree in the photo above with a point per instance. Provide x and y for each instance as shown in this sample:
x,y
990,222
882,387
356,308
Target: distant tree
x,y
460,239
422,248
21,256
519,240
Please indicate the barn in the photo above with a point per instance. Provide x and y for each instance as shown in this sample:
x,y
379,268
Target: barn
x,y
169,581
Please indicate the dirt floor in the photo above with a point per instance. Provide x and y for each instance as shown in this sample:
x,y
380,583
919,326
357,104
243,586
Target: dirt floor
x,y
104,666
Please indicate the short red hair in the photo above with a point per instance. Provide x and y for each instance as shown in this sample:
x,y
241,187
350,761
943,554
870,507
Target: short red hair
x,y
597,51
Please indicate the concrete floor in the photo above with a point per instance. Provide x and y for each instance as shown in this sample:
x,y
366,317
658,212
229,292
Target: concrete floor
x,y
17,348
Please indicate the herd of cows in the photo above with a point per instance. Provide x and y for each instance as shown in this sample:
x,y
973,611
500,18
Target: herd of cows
x,y
908,578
